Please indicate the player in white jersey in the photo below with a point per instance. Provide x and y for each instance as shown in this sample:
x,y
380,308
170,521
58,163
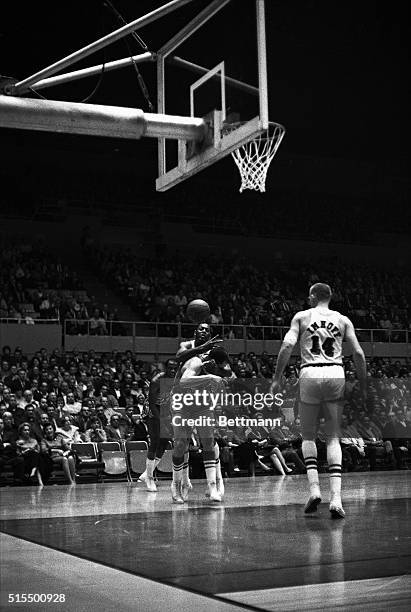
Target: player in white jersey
x,y
321,332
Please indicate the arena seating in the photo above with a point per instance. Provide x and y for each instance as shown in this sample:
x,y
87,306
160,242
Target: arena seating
x,y
38,389
241,292
35,285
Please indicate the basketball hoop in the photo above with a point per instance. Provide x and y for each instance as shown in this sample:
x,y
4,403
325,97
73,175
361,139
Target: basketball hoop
x,y
254,157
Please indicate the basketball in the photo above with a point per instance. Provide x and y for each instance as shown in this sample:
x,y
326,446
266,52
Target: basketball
x,y
198,311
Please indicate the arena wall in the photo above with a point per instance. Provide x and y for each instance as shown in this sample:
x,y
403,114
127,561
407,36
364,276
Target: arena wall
x,y
31,338
50,336
168,346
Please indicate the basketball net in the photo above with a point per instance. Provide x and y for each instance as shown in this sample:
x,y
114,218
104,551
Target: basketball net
x,y
254,158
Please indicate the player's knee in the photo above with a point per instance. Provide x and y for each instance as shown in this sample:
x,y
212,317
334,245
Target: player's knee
x,y
180,447
208,444
332,439
309,434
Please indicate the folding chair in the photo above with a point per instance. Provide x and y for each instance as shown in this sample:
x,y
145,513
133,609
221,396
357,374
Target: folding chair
x,y
114,457
136,452
87,462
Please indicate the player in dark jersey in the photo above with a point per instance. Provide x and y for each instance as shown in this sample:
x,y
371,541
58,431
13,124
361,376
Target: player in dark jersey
x,y
158,400
201,344
191,355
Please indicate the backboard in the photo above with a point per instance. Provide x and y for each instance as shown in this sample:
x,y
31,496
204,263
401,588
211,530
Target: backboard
x,y
225,44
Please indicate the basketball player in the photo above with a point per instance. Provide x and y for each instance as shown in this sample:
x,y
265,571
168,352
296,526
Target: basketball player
x,y
200,345
218,363
158,444
321,333
158,398
194,354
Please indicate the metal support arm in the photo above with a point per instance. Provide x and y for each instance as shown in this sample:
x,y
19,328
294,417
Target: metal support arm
x,y
96,120
68,77
133,26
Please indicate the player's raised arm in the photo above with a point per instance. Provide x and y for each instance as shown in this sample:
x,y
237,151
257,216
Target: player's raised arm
x,y
287,346
187,351
357,354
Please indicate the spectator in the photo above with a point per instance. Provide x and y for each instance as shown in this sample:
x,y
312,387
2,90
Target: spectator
x,y
53,416
81,421
57,451
126,397
395,431
282,439
43,421
99,412
29,448
95,433
10,458
31,416
71,406
10,432
97,324
110,400
69,432
117,390
140,431
126,420
244,446
116,431
352,445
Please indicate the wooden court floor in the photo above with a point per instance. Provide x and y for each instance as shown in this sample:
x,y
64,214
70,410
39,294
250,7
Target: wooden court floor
x,y
117,547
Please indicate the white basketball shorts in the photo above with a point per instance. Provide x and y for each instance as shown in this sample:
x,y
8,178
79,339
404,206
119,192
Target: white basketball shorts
x,y
322,384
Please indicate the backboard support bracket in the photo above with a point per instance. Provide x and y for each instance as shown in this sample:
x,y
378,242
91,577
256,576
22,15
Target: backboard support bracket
x,y
207,155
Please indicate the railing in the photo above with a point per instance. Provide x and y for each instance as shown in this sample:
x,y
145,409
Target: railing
x,y
76,327
148,338
28,321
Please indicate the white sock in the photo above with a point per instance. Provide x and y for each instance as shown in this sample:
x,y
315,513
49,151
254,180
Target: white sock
x,y
309,449
334,458
219,475
178,469
186,476
150,465
210,471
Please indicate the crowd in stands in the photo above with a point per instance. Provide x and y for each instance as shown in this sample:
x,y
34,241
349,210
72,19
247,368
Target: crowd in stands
x,y
243,293
50,400
35,285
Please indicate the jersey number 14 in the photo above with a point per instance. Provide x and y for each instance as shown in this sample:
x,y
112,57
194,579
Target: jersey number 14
x,y
327,346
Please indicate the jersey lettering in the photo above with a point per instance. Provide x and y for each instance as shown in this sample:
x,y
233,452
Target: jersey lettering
x,y
327,346
321,342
